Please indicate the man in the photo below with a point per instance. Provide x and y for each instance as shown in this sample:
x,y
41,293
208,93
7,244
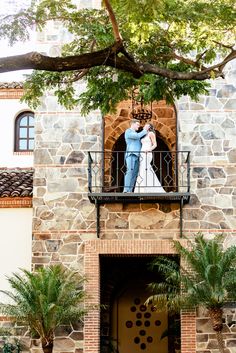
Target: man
x,y
133,147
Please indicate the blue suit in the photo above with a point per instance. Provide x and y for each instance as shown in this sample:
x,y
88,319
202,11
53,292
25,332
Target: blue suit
x,y
133,147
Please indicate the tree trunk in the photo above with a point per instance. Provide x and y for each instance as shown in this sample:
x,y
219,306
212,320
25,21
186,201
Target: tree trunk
x,y
47,346
216,316
220,341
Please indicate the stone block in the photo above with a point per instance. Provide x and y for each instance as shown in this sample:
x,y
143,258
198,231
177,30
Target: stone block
x,y
226,91
231,180
203,183
209,225
93,129
228,123
204,326
88,236
213,103
53,245
230,105
147,220
39,181
77,336
223,201
211,132
203,151
38,246
46,215
68,249
40,191
226,191
193,225
203,118
216,173
212,344
197,139
200,172
232,156
40,259
64,344
65,213
75,157
206,195
62,185
193,214
173,224
116,221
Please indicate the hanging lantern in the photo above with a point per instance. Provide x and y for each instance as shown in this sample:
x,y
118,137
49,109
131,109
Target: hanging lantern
x,y
140,111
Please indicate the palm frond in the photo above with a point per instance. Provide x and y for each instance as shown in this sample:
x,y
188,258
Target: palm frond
x,y
206,275
46,298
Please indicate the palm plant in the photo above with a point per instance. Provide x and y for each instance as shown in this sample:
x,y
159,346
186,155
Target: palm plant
x,y
44,300
207,278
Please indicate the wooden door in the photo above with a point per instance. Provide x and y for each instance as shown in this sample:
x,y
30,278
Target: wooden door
x,y
136,327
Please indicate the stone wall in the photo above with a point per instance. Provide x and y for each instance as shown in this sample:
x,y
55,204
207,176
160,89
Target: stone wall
x,y
65,220
208,130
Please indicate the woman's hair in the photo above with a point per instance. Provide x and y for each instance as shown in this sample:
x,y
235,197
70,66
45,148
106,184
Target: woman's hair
x,y
151,128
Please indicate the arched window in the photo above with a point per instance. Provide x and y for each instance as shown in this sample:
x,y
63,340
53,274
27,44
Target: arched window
x,y
24,132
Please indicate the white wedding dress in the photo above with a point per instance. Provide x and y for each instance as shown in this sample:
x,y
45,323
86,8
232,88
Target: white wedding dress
x,y
147,181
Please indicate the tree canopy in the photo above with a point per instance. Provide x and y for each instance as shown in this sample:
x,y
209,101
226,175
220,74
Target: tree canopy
x,y
165,48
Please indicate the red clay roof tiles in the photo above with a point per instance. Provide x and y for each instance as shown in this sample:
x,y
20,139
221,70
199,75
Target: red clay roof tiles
x,y
11,85
16,183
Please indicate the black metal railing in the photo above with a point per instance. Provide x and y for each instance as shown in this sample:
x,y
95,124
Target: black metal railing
x,y
168,172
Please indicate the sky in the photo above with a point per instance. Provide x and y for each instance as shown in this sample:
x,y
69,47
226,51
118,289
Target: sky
x,y
11,7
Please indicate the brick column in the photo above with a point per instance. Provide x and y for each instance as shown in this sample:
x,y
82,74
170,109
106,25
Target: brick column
x,y
188,331
92,287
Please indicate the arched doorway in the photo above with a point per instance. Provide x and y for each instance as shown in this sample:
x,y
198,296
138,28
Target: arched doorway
x,y
162,164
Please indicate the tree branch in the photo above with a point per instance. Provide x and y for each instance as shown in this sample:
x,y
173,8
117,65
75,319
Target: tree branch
x,y
37,61
113,20
106,57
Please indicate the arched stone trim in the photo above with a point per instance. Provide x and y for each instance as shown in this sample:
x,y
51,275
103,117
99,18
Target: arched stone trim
x,y
163,120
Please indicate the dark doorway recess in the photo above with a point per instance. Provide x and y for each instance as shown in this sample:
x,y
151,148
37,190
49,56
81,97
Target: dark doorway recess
x,y
162,164
125,320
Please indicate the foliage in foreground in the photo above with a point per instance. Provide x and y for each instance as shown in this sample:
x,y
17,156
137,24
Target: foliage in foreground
x,y
150,46
44,300
205,277
10,347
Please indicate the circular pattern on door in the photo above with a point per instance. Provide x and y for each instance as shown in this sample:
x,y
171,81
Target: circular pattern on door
x,y
145,312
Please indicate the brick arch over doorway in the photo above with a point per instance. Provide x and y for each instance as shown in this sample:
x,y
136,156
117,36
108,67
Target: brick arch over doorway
x,y
164,121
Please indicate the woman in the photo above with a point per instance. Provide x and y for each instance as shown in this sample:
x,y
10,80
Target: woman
x,y
147,181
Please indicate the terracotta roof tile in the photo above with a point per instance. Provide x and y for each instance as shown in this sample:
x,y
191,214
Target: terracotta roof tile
x,y
11,85
16,183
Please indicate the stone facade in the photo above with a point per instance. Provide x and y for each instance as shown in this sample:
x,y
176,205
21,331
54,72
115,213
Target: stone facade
x,y
65,220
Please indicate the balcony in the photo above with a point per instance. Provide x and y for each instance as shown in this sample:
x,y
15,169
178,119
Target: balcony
x,y
106,171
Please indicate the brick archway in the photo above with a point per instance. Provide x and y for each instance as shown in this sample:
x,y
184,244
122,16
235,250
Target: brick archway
x,y
164,121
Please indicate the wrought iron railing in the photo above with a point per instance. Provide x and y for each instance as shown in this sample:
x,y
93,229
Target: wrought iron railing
x,y
106,172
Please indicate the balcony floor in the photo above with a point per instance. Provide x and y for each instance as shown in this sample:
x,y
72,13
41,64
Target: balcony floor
x,y
131,197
